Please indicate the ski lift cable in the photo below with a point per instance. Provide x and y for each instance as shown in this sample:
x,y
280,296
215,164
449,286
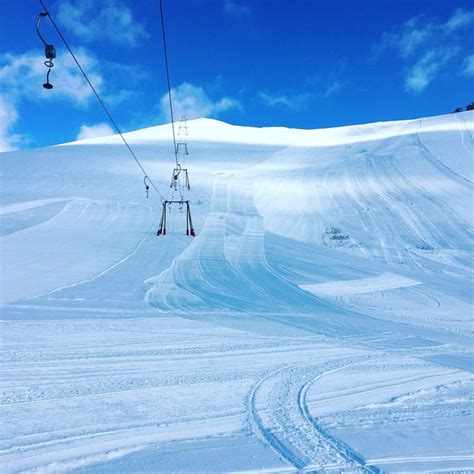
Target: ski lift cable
x,y
176,178
112,121
165,51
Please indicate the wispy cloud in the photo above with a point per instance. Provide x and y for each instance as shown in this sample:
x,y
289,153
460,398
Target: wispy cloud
x,y
333,88
468,69
427,67
421,32
109,20
426,46
93,131
8,116
459,19
235,8
327,84
407,39
316,88
275,100
193,102
293,102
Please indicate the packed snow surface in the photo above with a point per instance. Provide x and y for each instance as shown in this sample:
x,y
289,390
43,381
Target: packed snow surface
x,y
321,319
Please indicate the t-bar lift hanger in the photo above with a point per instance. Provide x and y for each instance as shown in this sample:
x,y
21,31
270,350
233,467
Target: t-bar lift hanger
x,y
49,50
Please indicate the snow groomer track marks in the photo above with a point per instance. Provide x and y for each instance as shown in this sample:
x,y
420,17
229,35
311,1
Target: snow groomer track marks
x,y
320,320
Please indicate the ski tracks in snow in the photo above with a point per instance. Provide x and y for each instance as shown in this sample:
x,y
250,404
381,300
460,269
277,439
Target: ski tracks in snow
x,y
85,240
226,266
279,416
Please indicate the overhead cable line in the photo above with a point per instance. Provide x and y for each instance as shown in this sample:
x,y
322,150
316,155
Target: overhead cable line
x,y
165,50
176,176
112,121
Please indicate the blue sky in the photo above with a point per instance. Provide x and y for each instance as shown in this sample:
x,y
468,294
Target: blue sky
x,y
299,63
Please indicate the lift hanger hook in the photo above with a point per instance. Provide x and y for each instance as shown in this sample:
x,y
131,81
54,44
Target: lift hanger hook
x,y
147,187
49,50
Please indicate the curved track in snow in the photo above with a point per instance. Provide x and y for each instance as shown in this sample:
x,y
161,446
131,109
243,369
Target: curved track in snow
x,y
82,242
385,197
279,415
225,266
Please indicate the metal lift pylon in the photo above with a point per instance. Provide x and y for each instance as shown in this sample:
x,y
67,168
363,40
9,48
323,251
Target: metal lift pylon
x,y
175,177
183,125
189,222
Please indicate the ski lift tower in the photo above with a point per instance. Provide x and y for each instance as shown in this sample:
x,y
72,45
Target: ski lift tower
x,y
183,126
180,153
180,172
179,184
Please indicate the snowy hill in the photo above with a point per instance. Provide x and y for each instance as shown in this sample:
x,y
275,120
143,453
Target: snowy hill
x,y
321,319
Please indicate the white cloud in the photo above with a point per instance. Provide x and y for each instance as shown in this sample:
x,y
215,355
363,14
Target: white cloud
x,y
8,117
300,101
426,69
459,19
93,131
420,32
333,88
235,8
112,20
275,100
407,38
293,102
24,75
426,46
469,65
193,102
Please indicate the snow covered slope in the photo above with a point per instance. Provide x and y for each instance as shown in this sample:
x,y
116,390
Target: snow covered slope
x,y
320,320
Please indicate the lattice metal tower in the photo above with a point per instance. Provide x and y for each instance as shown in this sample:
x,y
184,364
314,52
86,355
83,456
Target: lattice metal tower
x,y
183,126
179,184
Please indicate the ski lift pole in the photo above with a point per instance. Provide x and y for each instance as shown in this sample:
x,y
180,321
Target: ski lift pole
x,y
190,229
162,228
